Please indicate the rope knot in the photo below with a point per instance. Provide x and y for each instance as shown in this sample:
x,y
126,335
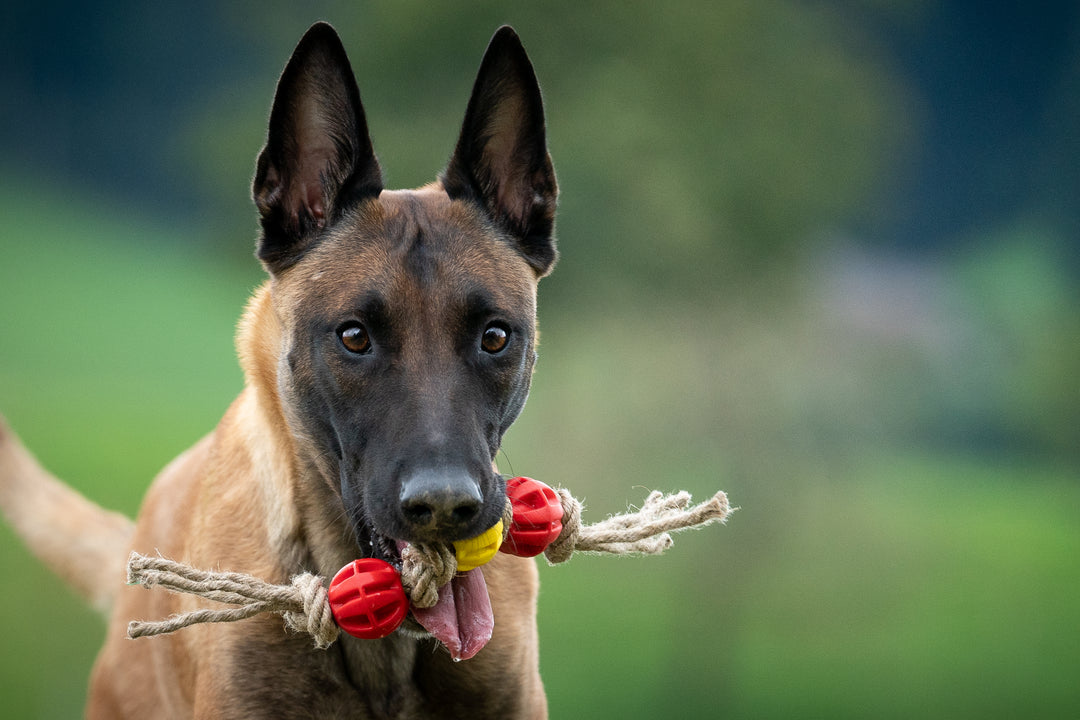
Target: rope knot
x,y
315,618
563,547
424,569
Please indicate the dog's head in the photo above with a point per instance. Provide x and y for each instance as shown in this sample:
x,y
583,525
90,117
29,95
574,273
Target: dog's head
x,y
408,317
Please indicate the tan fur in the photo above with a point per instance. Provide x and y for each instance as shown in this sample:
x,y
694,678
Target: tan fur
x,y
36,504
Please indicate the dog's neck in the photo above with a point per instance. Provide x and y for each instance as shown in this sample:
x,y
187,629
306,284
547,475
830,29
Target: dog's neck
x,y
382,671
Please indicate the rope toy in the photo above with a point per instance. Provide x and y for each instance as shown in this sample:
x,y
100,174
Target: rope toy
x,y
369,598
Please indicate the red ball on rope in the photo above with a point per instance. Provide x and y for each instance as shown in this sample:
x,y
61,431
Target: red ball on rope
x,y
367,599
538,516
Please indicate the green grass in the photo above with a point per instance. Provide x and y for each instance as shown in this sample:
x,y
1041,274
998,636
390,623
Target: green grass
x,y
892,584
930,587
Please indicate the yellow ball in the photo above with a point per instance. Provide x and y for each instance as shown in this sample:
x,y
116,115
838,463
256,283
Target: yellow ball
x,y
476,551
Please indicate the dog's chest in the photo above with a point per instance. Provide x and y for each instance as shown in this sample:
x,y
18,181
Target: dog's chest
x,y
282,676
277,674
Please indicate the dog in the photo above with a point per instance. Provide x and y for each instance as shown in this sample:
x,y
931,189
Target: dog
x,y
389,350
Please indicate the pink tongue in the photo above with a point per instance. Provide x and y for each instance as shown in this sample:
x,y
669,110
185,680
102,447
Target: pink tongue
x,y
462,619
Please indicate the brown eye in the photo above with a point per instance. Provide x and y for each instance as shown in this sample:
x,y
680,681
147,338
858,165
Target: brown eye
x,y
354,337
495,338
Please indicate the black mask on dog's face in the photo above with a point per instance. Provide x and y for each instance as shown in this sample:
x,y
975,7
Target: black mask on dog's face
x,y
409,315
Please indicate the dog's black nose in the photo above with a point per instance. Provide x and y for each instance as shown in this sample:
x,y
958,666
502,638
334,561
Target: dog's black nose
x,y
440,502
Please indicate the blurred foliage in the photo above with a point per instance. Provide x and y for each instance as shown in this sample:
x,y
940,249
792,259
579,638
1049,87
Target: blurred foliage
x,y
900,429
696,138
1025,308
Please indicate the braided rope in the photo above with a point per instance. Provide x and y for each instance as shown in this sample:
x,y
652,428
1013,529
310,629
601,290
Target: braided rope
x,y
425,567
644,532
303,602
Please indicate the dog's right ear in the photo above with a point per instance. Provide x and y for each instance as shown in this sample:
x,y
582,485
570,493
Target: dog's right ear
x,y
318,157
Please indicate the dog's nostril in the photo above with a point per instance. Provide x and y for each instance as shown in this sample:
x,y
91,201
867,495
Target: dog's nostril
x,y
418,514
465,513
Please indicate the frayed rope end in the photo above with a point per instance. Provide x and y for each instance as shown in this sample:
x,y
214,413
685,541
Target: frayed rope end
x,y
642,532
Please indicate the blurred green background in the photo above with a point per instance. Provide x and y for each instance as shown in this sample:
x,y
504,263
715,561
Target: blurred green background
x,y
822,255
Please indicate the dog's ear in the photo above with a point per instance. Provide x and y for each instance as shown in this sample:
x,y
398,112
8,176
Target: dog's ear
x,y
501,159
318,157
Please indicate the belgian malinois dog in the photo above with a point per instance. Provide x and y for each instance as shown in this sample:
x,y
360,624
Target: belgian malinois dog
x,y
388,352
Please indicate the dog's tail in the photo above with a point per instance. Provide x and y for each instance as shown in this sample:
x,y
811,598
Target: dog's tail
x,y
80,541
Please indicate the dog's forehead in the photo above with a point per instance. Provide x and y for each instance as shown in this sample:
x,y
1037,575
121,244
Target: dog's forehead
x,y
416,248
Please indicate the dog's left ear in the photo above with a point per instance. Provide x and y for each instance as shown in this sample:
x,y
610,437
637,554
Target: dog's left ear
x,y
318,157
501,159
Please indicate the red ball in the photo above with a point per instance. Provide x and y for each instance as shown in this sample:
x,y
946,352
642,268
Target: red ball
x,y
537,517
367,599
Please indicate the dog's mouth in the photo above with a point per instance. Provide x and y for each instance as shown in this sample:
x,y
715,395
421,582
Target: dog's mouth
x,y
461,620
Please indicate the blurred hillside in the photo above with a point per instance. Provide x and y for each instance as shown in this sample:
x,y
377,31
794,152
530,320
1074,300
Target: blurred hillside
x,y
822,255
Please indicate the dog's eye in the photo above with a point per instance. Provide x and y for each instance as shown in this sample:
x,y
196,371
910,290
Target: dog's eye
x,y
355,338
495,338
